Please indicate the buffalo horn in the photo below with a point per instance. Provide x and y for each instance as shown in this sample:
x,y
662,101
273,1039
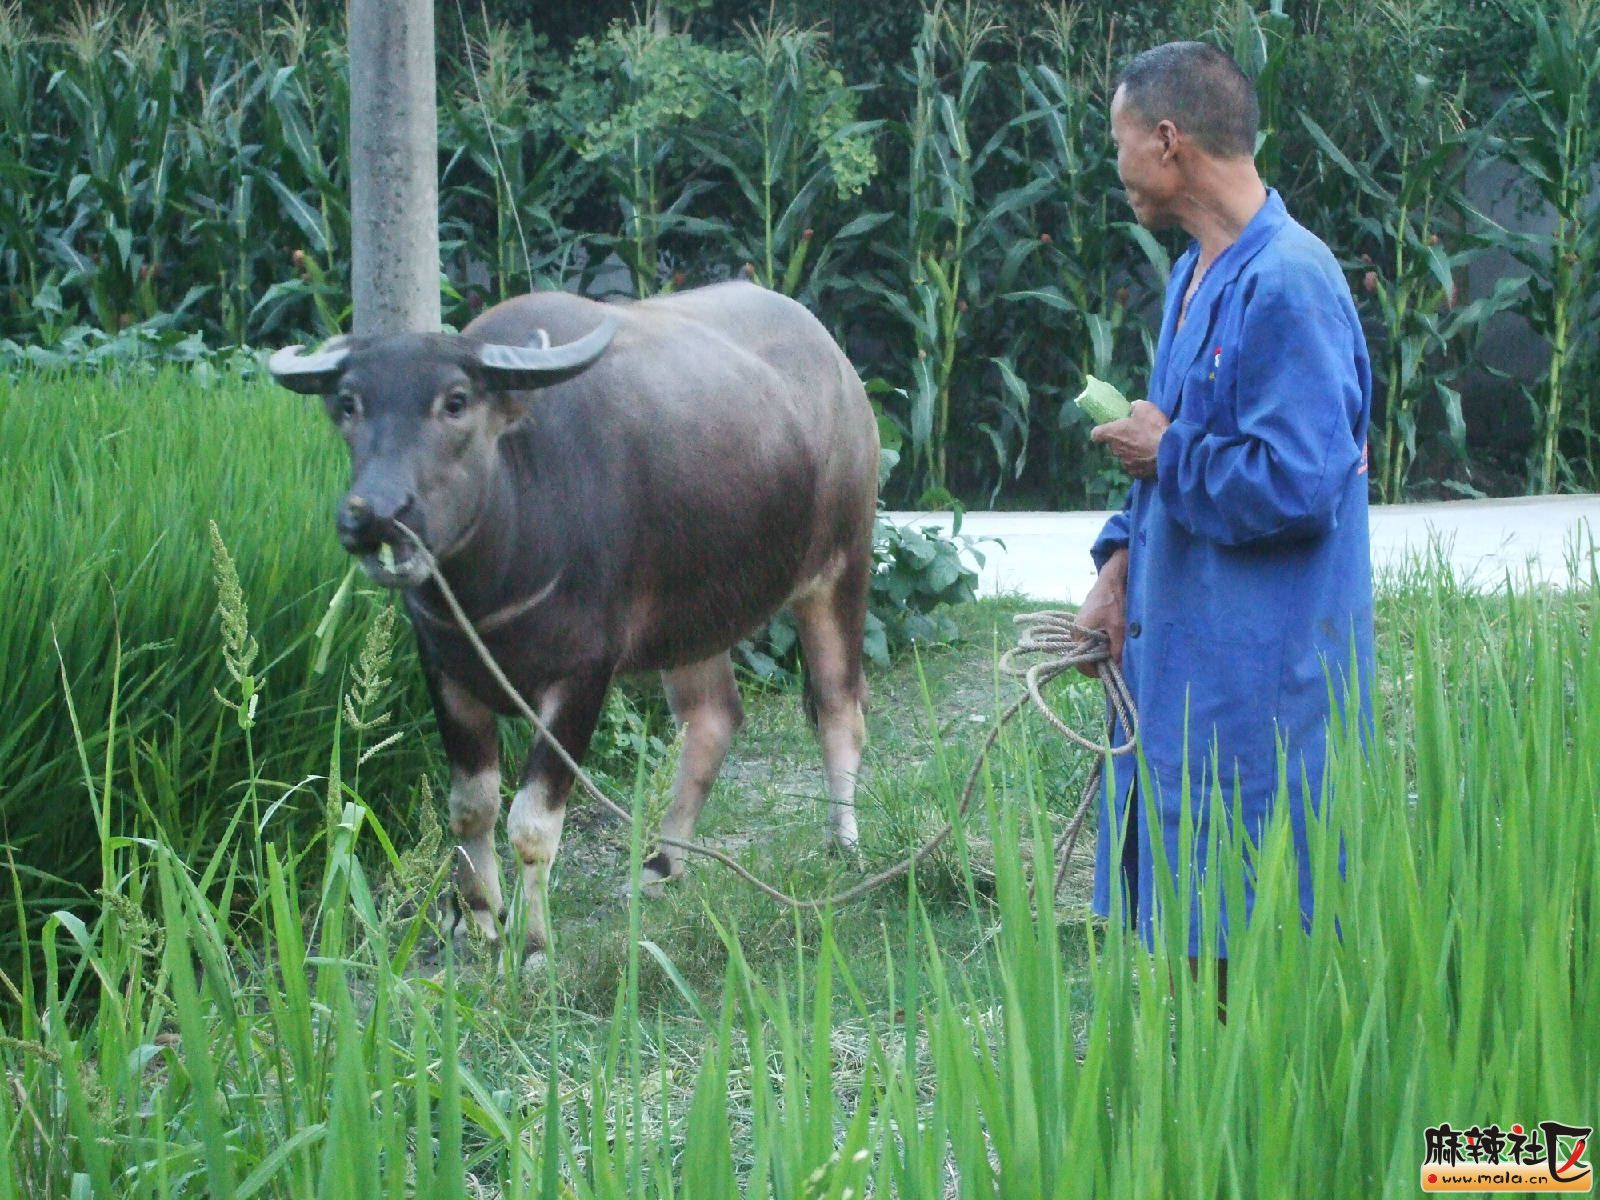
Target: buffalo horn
x,y
512,368
310,374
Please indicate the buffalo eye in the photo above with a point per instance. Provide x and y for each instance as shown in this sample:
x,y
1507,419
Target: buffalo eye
x,y
454,403
346,407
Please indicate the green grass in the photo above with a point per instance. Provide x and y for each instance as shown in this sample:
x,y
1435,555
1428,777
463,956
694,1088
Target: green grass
x,y
110,603
249,1000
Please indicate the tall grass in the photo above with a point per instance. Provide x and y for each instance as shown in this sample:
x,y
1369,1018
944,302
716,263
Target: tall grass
x,y
307,1047
110,485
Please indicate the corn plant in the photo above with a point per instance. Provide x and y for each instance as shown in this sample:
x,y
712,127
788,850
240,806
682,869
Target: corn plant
x,y
119,96
1088,289
947,228
160,172
512,181
629,102
1411,223
302,115
1557,155
25,208
786,133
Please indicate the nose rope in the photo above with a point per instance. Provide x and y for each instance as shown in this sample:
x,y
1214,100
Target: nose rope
x,y
499,617
462,538
1055,634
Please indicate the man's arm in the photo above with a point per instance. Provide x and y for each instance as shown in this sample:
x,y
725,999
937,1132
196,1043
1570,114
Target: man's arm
x,y
1281,476
1106,606
1113,534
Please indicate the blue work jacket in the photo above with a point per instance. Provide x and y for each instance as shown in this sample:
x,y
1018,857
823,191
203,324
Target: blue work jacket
x,y
1249,574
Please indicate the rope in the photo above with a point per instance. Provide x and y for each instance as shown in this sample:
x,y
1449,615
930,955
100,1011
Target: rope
x,y
1054,634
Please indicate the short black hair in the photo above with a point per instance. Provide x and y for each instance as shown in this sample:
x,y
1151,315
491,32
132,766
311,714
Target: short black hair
x,y
1200,90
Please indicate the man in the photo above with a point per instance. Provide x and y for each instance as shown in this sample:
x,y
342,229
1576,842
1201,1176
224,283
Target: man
x,y
1235,586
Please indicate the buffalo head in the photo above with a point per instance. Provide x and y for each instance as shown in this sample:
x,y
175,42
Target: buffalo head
x,y
422,415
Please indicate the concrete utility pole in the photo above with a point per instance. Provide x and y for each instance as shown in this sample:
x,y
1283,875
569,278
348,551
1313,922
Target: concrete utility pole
x,y
394,167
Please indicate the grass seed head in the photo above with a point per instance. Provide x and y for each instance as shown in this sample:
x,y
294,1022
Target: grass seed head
x,y
239,647
371,676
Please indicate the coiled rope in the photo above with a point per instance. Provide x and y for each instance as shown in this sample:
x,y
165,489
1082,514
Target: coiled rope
x,y
1064,646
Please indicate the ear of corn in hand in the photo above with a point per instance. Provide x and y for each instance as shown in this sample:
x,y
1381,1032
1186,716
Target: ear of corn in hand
x,y
1102,402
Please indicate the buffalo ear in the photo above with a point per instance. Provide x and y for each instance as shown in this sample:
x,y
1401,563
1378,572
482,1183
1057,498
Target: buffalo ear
x,y
519,368
315,374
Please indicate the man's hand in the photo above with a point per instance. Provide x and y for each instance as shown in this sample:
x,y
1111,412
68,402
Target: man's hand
x,y
1106,606
1134,438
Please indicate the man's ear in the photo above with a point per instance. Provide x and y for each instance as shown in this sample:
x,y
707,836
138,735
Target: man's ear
x,y
1169,135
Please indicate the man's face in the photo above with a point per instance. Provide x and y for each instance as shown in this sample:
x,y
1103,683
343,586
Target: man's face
x,y
1148,171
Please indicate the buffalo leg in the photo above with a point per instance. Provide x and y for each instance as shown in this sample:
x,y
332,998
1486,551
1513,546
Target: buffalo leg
x,y
705,702
570,710
472,746
830,621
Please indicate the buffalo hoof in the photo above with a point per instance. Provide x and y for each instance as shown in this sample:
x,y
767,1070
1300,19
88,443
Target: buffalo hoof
x,y
652,887
654,874
535,960
849,851
463,924
842,834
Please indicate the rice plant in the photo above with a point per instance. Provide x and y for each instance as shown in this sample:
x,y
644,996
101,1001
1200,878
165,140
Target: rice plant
x,y
112,484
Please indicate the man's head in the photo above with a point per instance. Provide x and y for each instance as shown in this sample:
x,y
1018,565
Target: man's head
x,y
1172,104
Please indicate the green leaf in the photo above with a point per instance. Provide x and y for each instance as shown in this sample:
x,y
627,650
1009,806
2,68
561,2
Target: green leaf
x,y
1455,423
865,223
1360,176
1050,296
1102,339
305,218
670,968
1155,254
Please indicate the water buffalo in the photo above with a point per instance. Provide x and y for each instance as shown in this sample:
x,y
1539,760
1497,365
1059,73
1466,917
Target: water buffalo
x,y
609,488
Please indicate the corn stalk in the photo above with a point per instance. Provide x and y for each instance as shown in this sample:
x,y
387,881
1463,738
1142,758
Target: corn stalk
x,y
1084,287
785,132
509,188
1411,219
946,226
1558,156
630,102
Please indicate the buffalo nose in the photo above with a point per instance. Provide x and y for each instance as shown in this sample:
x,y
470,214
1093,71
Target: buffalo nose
x,y
362,526
357,526
365,523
